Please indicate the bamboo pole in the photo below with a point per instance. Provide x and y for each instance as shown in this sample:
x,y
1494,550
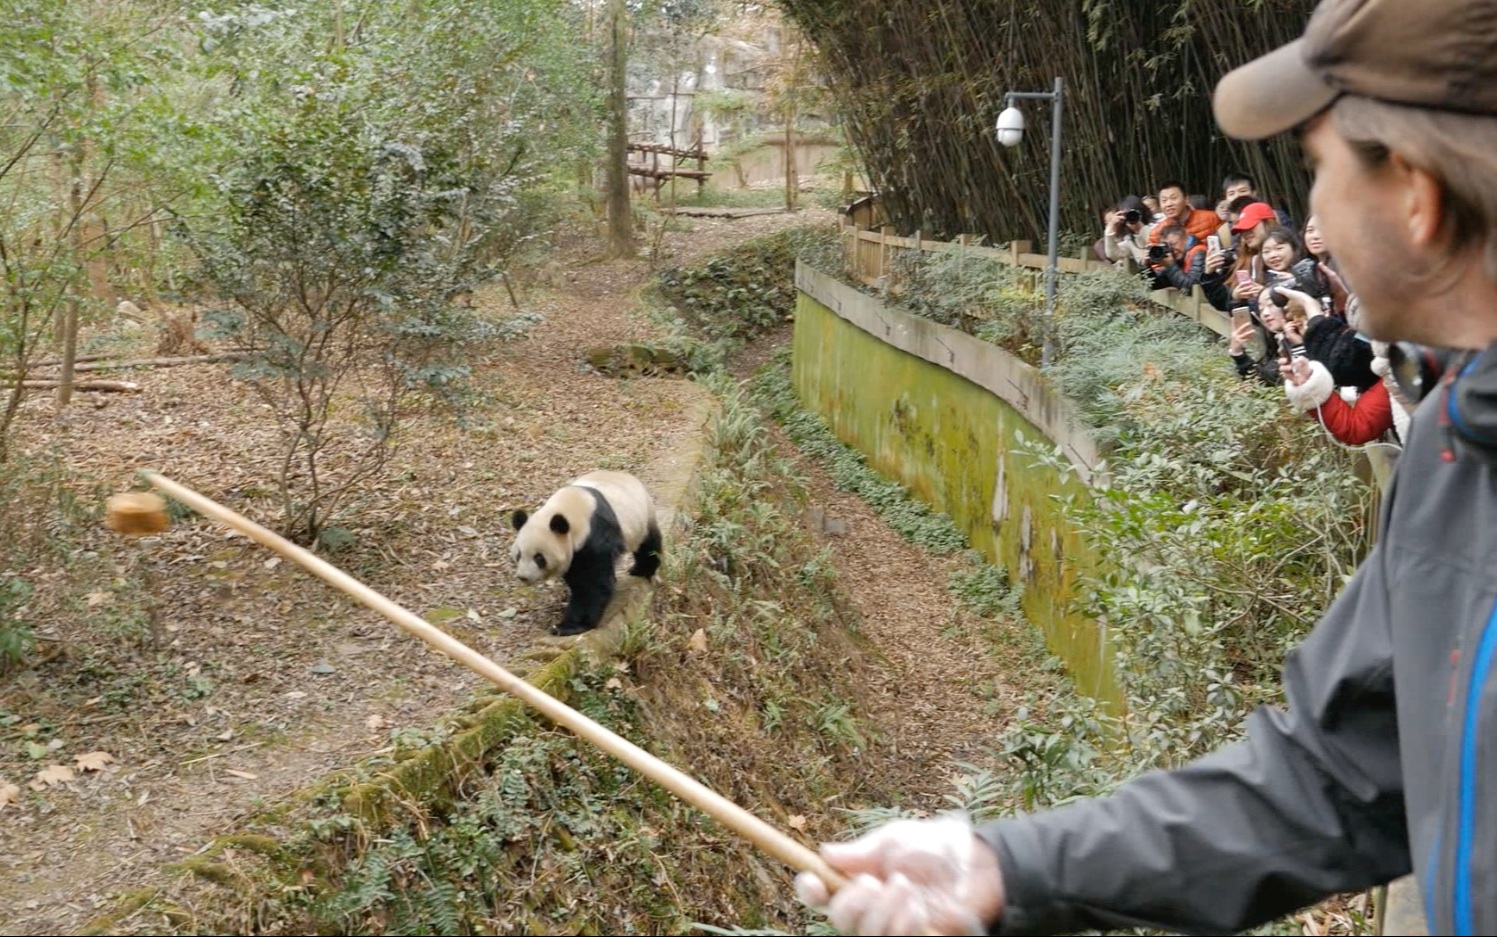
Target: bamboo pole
x,y
729,814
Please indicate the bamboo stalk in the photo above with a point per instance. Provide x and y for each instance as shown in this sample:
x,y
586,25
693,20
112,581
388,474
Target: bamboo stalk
x,y
919,83
747,825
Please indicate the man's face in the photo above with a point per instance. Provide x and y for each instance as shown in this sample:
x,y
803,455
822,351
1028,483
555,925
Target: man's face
x,y
1236,190
1172,203
1176,242
1355,209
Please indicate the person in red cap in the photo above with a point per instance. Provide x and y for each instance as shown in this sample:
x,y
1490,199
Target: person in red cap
x,y
1234,273
1254,222
1384,759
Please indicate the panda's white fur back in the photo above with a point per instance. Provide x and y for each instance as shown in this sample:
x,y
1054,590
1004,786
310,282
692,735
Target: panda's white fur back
x,y
628,497
543,549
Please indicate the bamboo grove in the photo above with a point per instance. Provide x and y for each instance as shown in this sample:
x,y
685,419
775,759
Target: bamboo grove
x,y
922,81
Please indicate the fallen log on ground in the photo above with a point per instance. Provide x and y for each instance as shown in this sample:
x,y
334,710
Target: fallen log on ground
x,y
724,212
100,364
112,387
163,362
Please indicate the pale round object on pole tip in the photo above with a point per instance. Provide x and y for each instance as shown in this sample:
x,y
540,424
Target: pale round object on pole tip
x,y
1010,126
136,513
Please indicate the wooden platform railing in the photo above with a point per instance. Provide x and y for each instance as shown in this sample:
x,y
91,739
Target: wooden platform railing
x,y
871,257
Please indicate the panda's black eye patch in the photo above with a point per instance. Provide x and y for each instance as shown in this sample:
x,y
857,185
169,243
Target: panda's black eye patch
x,y
540,560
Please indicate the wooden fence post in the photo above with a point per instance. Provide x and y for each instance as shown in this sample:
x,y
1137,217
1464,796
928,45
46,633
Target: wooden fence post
x,y
885,274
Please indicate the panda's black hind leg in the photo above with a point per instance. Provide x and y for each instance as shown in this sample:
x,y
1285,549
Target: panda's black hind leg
x,y
647,557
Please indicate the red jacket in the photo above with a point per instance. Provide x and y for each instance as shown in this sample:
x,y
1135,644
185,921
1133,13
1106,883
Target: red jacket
x,y
1200,224
1362,422
1351,423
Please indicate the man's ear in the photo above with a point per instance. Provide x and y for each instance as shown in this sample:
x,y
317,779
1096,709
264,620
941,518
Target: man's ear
x,y
1424,206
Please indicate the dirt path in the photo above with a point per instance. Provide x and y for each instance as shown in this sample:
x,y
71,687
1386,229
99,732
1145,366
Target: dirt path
x,y
948,689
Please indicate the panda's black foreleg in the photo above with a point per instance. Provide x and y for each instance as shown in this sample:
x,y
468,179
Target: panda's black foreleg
x,y
590,582
647,557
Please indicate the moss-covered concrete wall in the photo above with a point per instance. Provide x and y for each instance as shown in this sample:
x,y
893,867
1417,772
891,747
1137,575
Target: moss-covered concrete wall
x,y
946,431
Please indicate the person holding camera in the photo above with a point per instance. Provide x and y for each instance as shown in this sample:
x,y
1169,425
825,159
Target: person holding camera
x,y
1382,760
1178,261
1249,274
1231,267
1366,418
1281,342
1126,231
1337,381
1280,250
1325,274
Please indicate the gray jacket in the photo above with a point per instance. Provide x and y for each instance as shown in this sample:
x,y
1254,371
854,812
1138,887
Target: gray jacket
x,y
1384,761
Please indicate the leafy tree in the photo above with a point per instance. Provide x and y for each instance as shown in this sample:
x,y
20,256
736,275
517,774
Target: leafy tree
x,y
368,164
73,94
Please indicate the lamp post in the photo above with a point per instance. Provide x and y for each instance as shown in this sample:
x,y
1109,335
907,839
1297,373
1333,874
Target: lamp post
x,y
1010,132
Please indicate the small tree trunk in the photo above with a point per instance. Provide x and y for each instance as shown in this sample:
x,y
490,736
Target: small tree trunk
x,y
70,308
620,219
69,351
791,183
792,180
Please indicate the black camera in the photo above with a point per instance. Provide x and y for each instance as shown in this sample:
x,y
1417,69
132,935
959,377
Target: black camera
x,y
1416,369
1229,257
1157,253
1308,279
1132,216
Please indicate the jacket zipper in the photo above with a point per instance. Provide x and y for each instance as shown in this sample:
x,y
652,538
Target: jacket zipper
x,y
1470,736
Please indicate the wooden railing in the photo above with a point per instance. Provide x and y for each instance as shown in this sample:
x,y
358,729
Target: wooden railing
x,y
871,255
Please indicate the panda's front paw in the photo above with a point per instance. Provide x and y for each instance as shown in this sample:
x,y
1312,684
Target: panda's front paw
x,y
566,629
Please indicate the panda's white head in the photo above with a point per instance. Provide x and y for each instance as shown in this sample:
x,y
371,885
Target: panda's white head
x,y
546,540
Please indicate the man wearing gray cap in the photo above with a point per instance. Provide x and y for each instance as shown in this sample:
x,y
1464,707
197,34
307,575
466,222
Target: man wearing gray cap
x,y
1385,759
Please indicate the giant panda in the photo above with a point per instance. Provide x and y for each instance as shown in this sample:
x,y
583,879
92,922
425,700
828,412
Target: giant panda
x,y
579,534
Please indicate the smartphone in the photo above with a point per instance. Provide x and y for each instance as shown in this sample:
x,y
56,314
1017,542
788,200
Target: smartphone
x,y
1213,243
1244,277
1241,316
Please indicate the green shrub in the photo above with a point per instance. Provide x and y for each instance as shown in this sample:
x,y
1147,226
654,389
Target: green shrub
x,y
746,291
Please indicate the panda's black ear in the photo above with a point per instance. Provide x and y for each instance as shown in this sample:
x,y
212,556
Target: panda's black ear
x,y
560,524
519,519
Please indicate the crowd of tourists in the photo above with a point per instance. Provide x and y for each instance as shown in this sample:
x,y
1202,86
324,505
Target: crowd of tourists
x,y
1292,320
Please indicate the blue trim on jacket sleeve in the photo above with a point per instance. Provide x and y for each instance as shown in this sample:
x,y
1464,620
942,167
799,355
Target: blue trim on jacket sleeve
x,y
1431,873
1481,668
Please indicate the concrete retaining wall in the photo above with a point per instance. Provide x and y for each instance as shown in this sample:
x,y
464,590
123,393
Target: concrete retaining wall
x,y
943,412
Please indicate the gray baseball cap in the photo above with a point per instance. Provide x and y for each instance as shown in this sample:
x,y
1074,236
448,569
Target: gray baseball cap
x,y
1437,54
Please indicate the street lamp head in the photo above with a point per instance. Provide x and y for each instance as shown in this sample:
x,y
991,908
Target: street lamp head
x,y
1011,126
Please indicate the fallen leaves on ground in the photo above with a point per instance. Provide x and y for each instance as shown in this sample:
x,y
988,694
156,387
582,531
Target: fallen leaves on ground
x,y
93,761
51,776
